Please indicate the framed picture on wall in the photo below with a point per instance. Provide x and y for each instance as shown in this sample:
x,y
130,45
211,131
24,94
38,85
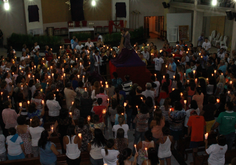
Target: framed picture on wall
x,y
184,32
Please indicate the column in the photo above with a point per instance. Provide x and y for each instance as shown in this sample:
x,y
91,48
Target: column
x,y
233,41
197,26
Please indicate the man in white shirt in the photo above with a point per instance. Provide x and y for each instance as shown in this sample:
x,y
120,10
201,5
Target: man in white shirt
x,y
89,43
100,36
158,65
79,47
221,54
148,92
146,54
206,45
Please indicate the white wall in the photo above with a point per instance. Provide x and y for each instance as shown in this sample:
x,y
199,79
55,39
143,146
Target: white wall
x,y
113,11
12,21
33,25
178,19
146,8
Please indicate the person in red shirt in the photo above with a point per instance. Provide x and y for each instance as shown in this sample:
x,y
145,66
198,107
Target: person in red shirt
x,y
49,55
98,110
196,126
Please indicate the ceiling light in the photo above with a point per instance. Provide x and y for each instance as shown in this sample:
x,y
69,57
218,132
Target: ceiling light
x,y
6,6
93,3
214,2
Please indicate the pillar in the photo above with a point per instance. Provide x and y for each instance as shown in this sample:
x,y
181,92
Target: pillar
x,y
197,26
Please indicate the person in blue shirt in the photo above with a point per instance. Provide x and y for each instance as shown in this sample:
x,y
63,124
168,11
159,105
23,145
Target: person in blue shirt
x,y
47,149
72,41
222,66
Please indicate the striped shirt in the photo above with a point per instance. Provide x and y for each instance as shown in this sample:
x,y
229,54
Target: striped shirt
x,y
127,87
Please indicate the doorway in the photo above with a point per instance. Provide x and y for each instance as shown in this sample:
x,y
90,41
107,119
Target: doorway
x,y
153,26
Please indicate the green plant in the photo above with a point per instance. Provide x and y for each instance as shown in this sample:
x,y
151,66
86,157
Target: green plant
x,y
82,35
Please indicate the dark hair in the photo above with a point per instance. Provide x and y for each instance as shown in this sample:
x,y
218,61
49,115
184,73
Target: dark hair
x,y
124,155
80,84
167,77
127,77
99,101
35,122
95,118
110,144
120,109
81,122
99,139
178,106
199,90
115,74
68,85
50,96
117,90
12,131
144,109
120,133
221,140
194,104
230,105
149,102
152,156
32,108
43,139
6,104
64,113
21,120
148,135
71,131
166,131
158,116
114,103
211,99
165,87
101,90
192,85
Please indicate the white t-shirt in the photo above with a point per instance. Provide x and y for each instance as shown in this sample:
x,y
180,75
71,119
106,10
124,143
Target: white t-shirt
x,y
125,127
35,134
8,80
2,144
111,157
206,45
217,154
95,152
53,108
146,55
158,63
90,45
23,58
14,148
156,92
79,47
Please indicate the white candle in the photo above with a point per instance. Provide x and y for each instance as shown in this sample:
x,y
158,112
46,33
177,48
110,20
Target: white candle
x,y
51,128
80,135
88,118
206,136
125,104
146,151
135,148
104,111
20,104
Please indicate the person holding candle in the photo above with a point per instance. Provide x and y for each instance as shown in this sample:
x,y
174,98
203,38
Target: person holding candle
x,y
112,110
72,144
23,131
47,149
217,151
199,97
125,127
196,129
103,96
69,94
143,146
116,81
226,122
85,133
125,156
95,90
95,147
35,131
95,124
164,93
109,153
98,109
32,111
63,122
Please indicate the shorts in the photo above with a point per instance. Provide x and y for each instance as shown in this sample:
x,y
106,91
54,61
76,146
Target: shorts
x,y
194,144
164,158
209,125
21,156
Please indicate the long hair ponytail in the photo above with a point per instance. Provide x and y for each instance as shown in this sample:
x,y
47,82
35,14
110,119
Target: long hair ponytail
x,y
124,155
43,139
110,144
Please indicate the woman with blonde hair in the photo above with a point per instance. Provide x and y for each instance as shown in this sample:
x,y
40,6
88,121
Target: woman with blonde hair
x,y
220,86
96,90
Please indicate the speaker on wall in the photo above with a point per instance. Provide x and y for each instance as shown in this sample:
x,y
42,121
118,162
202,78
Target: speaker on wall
x,y
165,5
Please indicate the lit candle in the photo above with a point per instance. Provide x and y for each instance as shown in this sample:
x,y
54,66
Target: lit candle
x,y
146,151
155,107
215,71
83,79
170,109
108,100
218,100
64,75
164,76
41,90
228,92
206,136
85,89
194,72
80,135
107,86
28,75
212,74
147,44
185,102
181,94
70,113
30,121
141,98
155,75
62,70
1,93
28,102
135,146
52,75
174,77
230,82
49,77
78,76
52,128
20,104
43,102
195,80
125,104
160,51
122,114
104,111
106,82
72,102
88,118
173,89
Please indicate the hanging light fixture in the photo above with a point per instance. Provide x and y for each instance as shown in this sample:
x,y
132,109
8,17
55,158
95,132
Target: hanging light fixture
x,y
93,3
6,5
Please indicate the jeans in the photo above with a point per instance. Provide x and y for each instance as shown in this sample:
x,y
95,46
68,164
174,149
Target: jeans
x,y
230,140
138,135
96,161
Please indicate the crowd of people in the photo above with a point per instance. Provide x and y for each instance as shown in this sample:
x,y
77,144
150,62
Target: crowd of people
x,y
192,94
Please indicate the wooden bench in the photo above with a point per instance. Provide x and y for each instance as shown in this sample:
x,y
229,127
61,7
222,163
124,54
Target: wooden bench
x,y
61,160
